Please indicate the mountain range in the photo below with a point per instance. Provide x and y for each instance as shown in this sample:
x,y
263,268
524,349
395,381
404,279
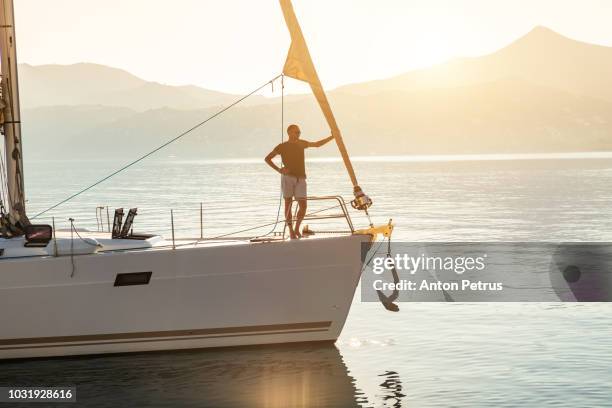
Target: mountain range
x,y
542,93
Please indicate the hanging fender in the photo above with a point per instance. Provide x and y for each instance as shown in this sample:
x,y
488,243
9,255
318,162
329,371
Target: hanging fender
x,y
387,301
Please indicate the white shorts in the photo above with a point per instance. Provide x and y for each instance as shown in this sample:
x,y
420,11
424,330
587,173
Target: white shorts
x,y
293,186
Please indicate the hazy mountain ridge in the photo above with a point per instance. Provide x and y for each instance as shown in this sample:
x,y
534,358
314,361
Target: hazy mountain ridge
x,y
542,57
93,84
522,117
504,102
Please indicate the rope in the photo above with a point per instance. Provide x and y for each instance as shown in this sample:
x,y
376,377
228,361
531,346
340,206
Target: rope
x,y
282,139
72,247
4,194
17,148
79,235
386,301
367,263
3,179
141,158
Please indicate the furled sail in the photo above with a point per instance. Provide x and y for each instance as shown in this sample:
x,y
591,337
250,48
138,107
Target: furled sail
x,y
14,221
299,66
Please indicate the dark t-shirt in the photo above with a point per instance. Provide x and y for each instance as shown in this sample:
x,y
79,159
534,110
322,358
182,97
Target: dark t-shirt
x,y
292,154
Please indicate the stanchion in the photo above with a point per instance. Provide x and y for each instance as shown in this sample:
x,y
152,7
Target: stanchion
x,y
172,223
201,222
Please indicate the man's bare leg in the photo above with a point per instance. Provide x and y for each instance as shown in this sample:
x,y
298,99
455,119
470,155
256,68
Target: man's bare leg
x,y
289,218
300,216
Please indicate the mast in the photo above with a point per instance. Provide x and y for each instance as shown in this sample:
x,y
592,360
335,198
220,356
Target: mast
x,y
16,218
299,66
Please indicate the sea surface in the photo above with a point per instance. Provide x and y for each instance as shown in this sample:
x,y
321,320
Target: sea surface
x,y
427,354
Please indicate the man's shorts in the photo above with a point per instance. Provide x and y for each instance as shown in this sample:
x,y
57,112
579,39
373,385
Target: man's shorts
x,y
293,186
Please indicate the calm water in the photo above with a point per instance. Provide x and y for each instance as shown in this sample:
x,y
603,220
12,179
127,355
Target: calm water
x,y
427,355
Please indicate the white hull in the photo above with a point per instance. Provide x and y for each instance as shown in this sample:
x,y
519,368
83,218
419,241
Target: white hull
x,y
216,295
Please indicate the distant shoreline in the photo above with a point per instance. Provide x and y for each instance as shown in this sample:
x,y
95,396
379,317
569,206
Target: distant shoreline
x,y
381,158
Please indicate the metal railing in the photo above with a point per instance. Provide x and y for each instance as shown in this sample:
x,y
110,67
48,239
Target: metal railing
x,y
104,223
316,217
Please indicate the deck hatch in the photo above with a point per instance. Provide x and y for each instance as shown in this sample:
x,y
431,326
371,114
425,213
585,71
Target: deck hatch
x,y
133,278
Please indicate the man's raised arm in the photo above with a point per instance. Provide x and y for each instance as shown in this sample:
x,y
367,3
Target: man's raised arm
x,y
320,142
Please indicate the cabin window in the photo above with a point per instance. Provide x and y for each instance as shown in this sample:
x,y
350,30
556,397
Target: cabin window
x,y
133,278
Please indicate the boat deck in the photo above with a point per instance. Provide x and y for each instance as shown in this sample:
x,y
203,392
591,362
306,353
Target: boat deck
x,y
90,242
78,241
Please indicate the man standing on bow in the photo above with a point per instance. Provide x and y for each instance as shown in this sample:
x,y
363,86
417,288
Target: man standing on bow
x,y
293,174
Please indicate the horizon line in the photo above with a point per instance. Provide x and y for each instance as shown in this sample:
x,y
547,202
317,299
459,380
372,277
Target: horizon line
x,y
414,158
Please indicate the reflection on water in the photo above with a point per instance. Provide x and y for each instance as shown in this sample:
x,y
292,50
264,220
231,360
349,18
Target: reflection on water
x,y
392,390
270,376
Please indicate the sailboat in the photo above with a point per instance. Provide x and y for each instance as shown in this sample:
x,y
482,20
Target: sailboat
x,y
76,292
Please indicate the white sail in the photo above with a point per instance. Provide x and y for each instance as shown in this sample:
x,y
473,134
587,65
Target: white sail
x,y
11,121
299,66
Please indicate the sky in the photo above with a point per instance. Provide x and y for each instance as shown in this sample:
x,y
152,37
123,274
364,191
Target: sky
x,y
235,45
